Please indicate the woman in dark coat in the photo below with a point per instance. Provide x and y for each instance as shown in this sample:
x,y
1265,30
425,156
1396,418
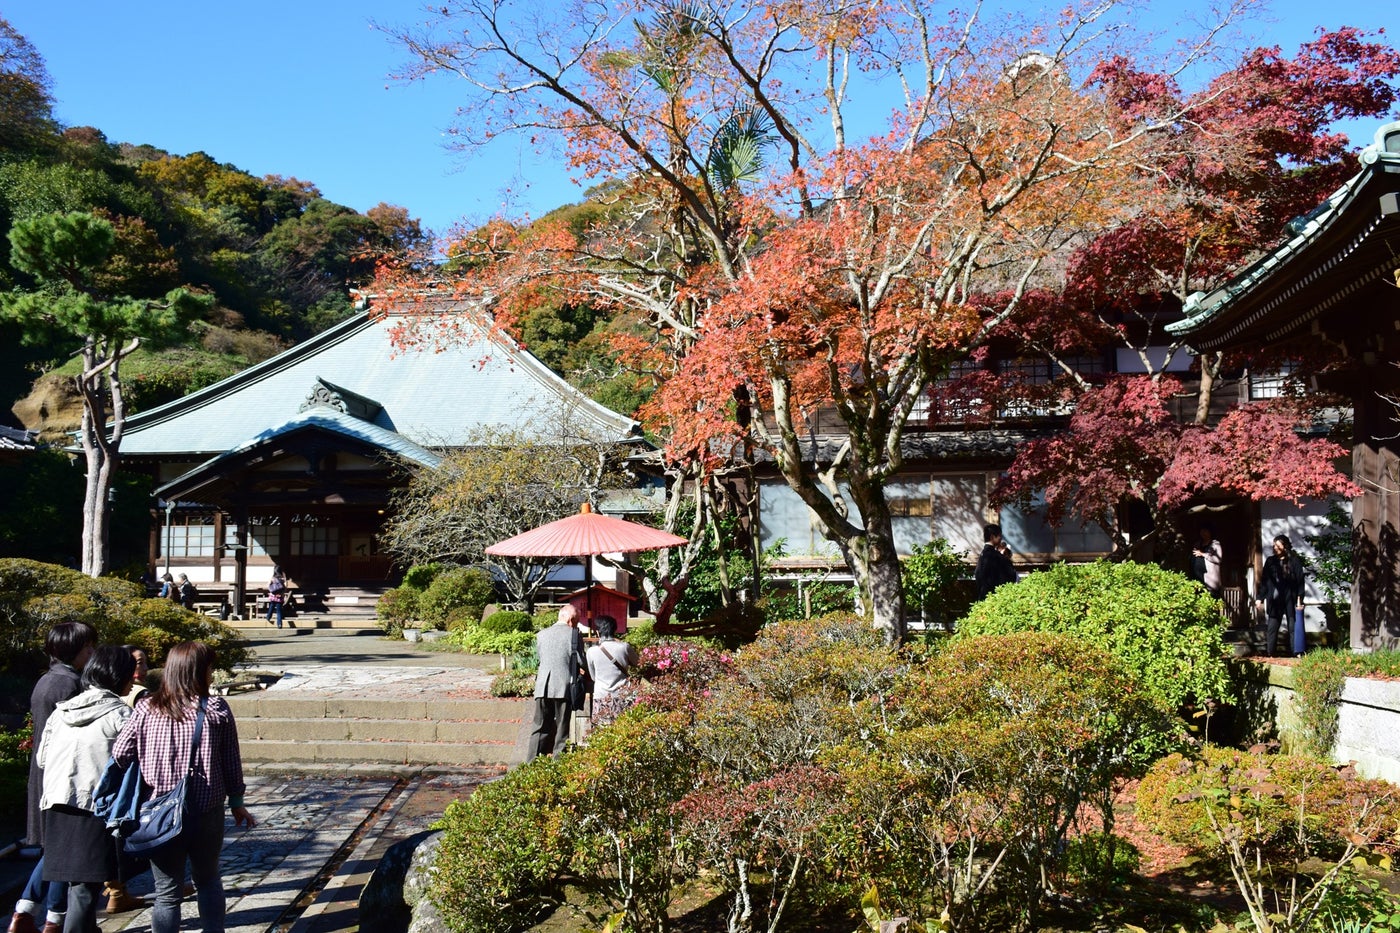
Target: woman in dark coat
x,y
74,750
1280,590
69,645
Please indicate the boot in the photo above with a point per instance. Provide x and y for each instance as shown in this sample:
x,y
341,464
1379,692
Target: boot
x,y
23,923
119,902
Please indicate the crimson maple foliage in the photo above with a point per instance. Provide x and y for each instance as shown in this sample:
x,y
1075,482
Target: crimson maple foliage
x,y
1123,444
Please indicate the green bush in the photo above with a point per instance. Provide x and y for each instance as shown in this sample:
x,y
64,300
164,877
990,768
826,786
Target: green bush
x,y
34,597
456,595
997,746
478,640
641,633
933,576
1318,678
395,609
543,619
513,683
1166,630
420,576
504,850
507,620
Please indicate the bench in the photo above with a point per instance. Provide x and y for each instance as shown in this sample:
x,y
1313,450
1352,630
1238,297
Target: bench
x,y
258,682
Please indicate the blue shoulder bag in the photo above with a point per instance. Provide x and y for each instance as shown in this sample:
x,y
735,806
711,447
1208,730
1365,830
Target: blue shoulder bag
x,y
162,818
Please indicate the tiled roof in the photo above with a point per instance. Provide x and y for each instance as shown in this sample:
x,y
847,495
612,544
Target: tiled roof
x,y
429,398
1205,309
16,439
325,419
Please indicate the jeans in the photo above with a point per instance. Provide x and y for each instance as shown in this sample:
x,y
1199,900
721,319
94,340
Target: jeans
x,y
53,894
278,607
200,846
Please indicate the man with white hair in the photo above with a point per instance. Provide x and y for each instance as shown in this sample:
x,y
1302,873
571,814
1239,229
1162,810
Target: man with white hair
x,y
561,664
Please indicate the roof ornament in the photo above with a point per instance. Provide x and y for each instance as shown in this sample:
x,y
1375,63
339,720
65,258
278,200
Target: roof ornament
x,y
329,395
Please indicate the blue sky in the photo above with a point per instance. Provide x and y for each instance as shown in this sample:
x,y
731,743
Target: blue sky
x,y
301,88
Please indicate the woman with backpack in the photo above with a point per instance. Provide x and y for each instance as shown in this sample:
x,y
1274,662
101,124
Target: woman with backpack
x,y
73,751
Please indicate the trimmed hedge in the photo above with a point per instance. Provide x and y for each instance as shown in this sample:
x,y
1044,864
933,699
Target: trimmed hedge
x,y
1161,625
35,596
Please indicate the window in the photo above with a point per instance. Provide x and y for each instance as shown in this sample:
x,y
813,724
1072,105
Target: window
x,y
315,541
263,539
190,536
1270,385
1021,376
958,395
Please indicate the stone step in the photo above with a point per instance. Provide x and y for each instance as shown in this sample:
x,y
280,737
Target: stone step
x,y
377,730
389,752
283,728
274,705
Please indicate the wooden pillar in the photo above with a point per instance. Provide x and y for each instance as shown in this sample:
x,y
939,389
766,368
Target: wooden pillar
x,y
1375,591
240,559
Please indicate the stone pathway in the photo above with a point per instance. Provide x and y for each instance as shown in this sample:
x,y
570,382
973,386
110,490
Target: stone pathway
x,y
302,823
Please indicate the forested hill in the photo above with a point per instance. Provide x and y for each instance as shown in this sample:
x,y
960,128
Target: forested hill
x,y
278,258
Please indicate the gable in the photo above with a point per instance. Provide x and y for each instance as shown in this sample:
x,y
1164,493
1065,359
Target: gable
x,y
432,399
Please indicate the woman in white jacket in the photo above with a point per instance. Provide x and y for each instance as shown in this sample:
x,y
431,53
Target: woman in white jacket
x,y
73,752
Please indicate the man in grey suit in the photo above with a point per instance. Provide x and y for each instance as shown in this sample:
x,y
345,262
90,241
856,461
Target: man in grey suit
x,y
561,663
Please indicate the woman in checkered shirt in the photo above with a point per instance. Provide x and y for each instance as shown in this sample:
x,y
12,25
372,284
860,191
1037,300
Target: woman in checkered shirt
x,y
158,735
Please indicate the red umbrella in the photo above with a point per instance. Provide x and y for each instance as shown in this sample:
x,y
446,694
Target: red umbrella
x,y
582,535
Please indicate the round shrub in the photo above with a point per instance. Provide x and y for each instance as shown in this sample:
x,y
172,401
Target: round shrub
x,y
507,620
395,609
1284,806
504,850
543,619
420,576
1163,627
460,593
35,596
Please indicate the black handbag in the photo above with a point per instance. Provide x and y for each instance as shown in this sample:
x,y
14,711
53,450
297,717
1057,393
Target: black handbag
x,y
162,818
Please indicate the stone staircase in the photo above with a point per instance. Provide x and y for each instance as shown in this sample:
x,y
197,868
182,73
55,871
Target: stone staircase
x,y
380,733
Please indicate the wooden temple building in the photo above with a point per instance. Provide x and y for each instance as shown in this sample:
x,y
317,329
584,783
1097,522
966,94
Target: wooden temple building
x,y
293,461
1336,281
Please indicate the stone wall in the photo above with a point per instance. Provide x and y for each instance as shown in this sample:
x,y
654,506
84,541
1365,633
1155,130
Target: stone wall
x,y
1368,727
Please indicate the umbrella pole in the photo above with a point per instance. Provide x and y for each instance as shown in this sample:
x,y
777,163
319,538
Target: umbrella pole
x,y
588,590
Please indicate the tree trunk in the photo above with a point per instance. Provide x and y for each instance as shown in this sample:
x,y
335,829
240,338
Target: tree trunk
x,y
1210,369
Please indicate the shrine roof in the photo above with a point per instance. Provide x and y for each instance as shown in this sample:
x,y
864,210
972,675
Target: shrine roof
x,y
430,398
1344,245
